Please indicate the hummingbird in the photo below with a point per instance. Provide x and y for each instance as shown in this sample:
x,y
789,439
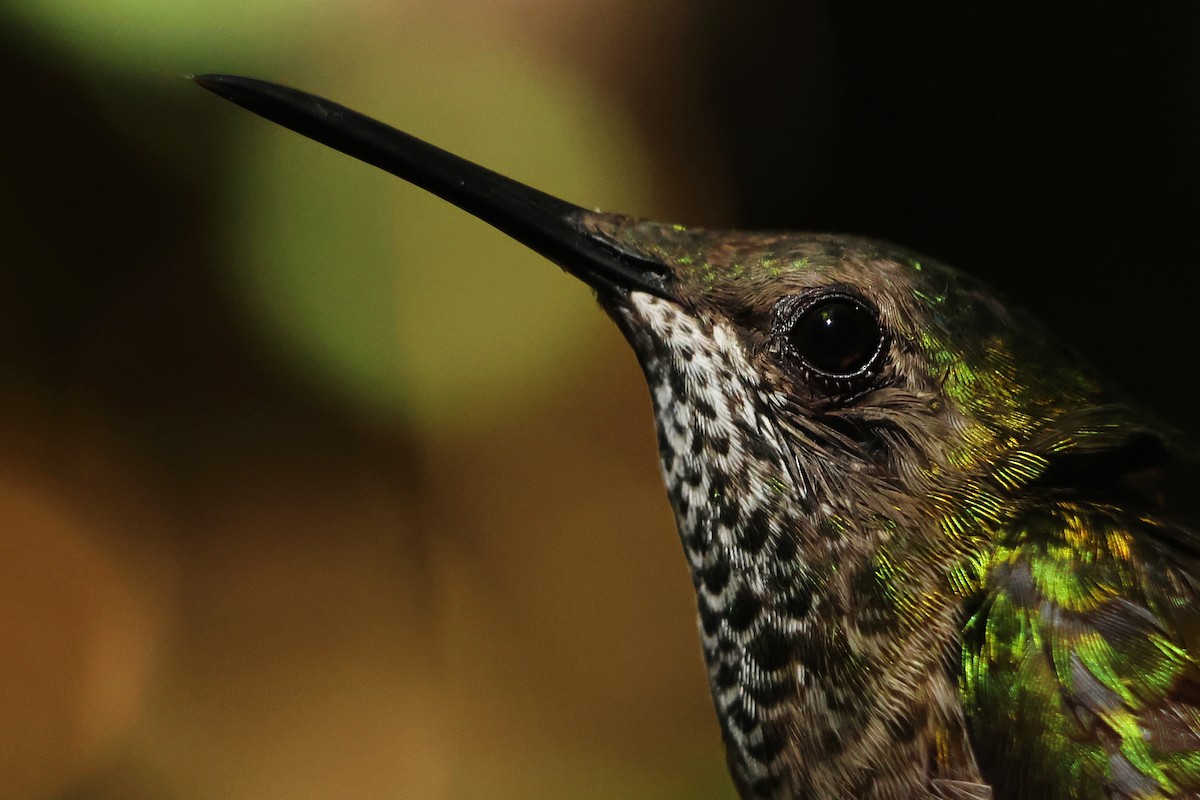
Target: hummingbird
x,y
933,553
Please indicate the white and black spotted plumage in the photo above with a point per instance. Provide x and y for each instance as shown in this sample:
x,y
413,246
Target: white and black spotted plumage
x,y
790,666
726,499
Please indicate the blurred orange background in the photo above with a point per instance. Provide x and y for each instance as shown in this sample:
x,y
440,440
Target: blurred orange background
x,y
313,486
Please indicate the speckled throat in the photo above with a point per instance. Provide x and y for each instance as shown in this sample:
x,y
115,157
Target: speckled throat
x,y
820,693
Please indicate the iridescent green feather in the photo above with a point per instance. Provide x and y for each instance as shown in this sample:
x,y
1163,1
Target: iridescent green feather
x,y
1075,676
1078,662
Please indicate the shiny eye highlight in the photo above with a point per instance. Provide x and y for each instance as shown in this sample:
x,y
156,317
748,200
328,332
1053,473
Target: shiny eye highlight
x,y
836,336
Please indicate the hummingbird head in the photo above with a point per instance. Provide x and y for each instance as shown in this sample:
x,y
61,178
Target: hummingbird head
x,y
840,422
879,370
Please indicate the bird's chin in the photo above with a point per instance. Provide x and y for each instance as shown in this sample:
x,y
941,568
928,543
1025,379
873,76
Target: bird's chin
x,y
639,317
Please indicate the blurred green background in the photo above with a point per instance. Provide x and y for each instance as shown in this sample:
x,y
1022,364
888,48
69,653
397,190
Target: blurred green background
x,y
313,486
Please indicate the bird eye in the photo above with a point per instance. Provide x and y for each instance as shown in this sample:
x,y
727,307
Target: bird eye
x,y
837,336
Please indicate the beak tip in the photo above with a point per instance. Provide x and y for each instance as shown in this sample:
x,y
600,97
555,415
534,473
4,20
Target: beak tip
x,y
204,80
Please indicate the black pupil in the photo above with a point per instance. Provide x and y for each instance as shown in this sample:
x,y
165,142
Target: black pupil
x,y
837,336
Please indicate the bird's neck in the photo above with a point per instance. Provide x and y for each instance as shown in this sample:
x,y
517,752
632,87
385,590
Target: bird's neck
x,y
827,670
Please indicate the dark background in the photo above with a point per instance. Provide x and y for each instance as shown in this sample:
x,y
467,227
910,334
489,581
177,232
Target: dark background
x,y
228,569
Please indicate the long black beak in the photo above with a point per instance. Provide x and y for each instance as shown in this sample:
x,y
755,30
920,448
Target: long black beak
x,y
541,222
